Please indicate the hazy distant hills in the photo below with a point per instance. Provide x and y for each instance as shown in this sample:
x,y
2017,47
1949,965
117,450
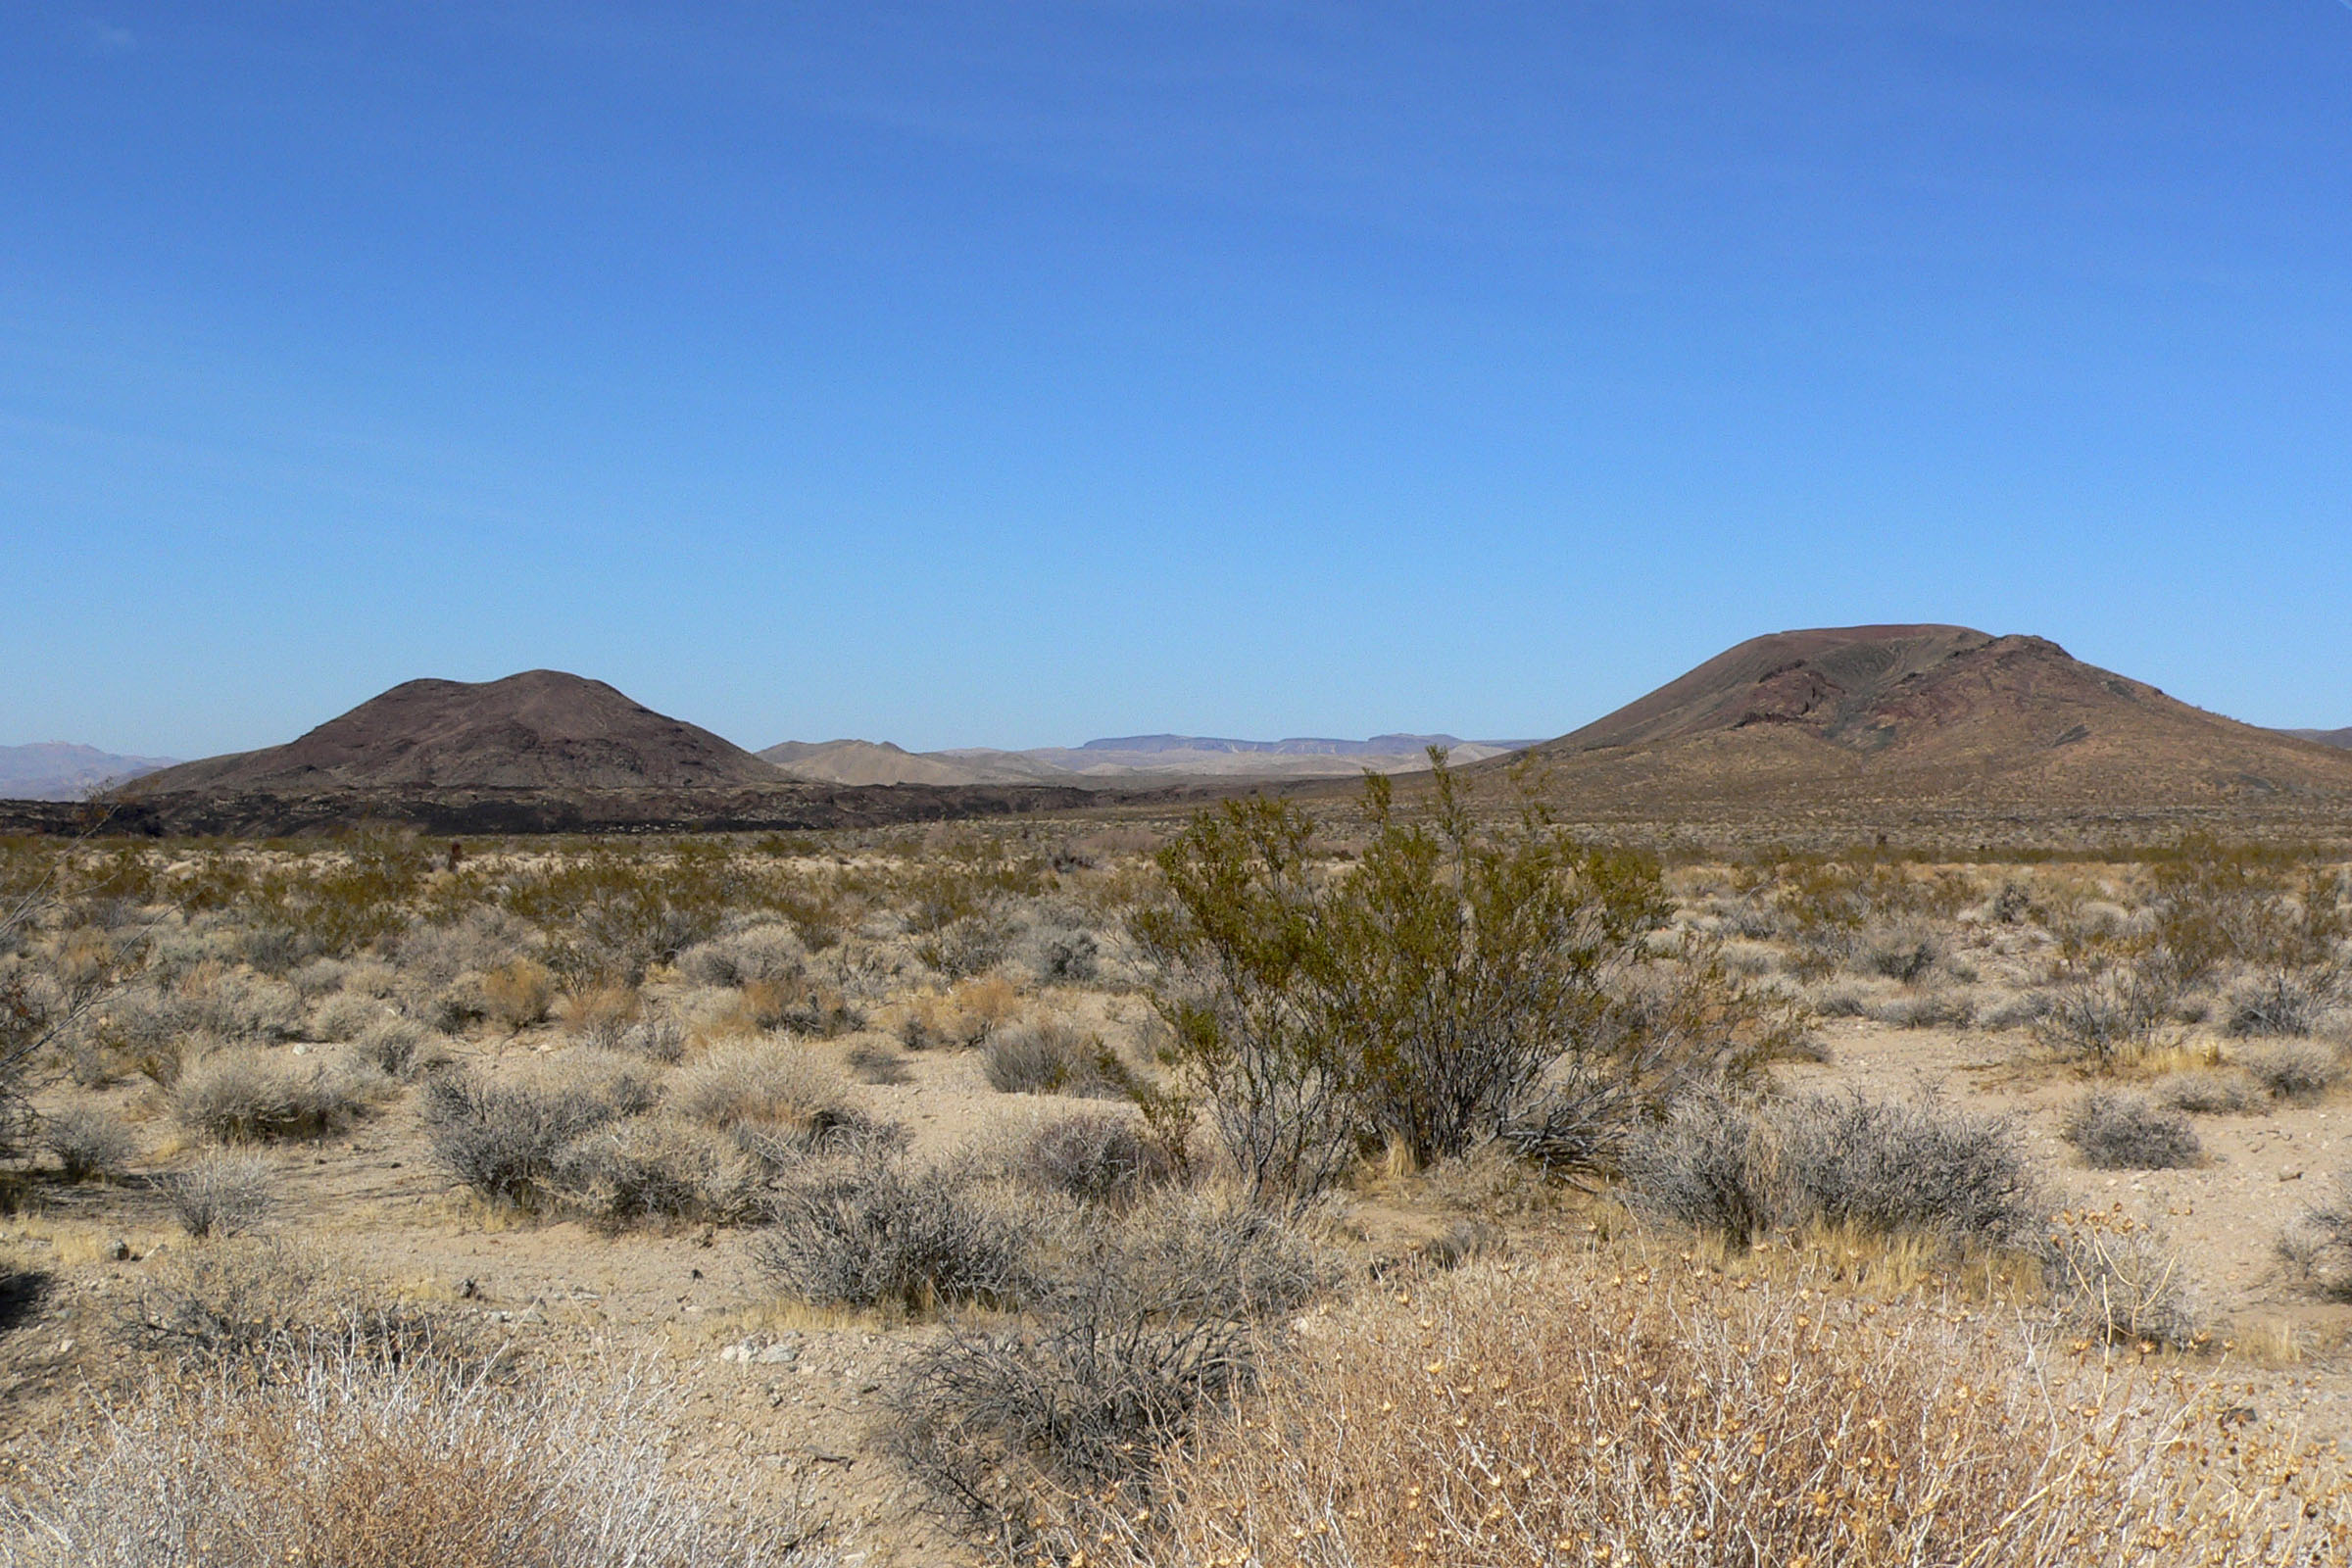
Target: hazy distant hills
x,y
2326,736
1125,761
56,771
543,729
1891,719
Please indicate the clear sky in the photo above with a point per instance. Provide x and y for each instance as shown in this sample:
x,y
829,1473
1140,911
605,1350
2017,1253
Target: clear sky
x,y
1010,374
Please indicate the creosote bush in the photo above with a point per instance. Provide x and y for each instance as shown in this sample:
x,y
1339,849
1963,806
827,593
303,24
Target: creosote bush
x,y
2117,1131
1413,998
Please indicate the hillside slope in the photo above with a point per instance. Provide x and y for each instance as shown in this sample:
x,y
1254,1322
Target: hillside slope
x,y
543,729
1899,717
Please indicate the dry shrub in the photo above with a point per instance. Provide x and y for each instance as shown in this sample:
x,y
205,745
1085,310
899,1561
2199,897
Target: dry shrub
x,y
769,1082
1916,1167
505,1140
658,1168
769,953
2282,1001
399,1049
221,1194
2117,1131
961,1017
1153,1318
88,1143
2295,1069
248,1096
343,1015
2109,1016
2118,1279
361,1460
253,1309
597,1017
2211,1092
865,1228
1052,1058
1580,1413
875,1063
2316,1247
1096,1157
518,994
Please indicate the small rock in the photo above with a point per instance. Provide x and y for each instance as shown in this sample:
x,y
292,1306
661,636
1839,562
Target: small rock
x,y
119,1250
2290,1175
779,1356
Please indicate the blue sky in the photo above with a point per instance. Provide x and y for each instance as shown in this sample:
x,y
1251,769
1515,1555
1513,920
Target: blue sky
x,y
1013,374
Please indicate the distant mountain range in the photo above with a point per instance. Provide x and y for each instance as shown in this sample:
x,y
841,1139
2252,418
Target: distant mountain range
x,y
57,770
1124,762
1855,722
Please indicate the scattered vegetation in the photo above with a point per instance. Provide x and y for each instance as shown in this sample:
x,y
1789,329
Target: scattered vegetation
x,y
2114,1130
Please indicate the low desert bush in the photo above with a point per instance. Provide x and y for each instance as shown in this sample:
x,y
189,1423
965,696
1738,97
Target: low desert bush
x,y
342,1015
1054,1058
363,1460
1589,1412
1928,1009
1709,1167
776,1082
2282,1002
518,994
655,1039
769,952
505,1140
399,1049
2119,1280
221,1194
1155,1318
251,1308
243,1095
1095,1158
2317,1246
868,1229
88,1143
2212,1092
2295,1069
1888,1166
2114,1130
658,1168
1903,951
239,1006
598,1016
2105,1016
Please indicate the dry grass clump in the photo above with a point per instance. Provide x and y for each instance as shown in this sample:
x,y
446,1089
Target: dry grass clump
x,y
505,1140
2117,1131
598,1016
769,951
399,1049
88,1143
1586,1411
342,1015
242,1095
771,1082
221,1194
363,1460
1052,1058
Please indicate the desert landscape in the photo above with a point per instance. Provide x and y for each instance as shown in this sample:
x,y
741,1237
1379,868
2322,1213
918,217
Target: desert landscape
x,y
1770,1123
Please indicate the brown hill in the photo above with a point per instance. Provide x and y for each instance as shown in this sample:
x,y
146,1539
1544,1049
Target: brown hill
x,y
2326,736
1894,723
543,730
868,763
